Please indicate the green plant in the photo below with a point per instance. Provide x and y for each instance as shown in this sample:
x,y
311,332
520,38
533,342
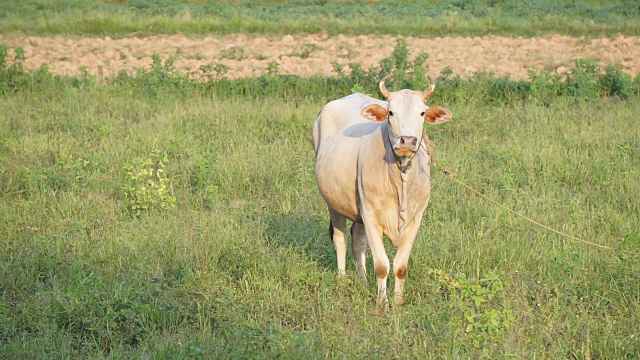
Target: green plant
x,y
212,72
233,53
77,167
617,83
478,304
203,174
84,80
406,74
12,73
544,86
273,68
583,80
149,186
306,50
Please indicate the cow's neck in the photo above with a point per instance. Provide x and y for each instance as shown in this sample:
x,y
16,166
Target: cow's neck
x,y
404,162
405,170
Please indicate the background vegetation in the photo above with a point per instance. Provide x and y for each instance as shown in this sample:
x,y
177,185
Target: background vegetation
x,y
406,18
151,216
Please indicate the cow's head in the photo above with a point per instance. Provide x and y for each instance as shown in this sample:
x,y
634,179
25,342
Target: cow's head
x,y
406,112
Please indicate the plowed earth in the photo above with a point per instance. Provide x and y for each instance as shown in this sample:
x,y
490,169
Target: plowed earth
x,y
308,55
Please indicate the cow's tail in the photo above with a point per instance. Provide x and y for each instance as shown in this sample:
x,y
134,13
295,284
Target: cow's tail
x,y
331,230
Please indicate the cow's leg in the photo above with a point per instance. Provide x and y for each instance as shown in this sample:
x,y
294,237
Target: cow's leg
x,y
359,248
401,261
338,229
380,263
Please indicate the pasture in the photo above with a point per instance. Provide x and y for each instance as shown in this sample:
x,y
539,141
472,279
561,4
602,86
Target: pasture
x,y
151,216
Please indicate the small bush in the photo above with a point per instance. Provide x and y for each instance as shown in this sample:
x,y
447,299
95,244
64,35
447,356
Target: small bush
x,y
11,70
478,304
410,75
149,187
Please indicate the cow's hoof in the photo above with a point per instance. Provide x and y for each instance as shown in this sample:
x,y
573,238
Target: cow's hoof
x,y
382,307
382,311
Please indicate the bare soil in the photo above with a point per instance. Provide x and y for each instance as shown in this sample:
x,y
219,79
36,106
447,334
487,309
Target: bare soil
x,y
309,55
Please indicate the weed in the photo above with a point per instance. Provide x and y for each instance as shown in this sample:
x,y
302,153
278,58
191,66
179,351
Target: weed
x,y
11,68
407,75
233,53
545,86
273,68
202,174
478,304
306,50
159,79
149,186
583,81
616,83
84,80
212,72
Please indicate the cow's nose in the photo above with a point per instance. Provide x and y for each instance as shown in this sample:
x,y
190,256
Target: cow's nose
x,y
406,140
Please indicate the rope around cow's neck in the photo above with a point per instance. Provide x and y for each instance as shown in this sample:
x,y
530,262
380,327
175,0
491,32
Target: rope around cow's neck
x,y
403,168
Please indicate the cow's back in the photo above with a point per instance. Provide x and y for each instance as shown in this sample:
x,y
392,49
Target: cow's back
x,y
338,134
341,115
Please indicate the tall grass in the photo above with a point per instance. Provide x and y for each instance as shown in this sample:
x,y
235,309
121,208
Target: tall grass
x,y
406,18
239,265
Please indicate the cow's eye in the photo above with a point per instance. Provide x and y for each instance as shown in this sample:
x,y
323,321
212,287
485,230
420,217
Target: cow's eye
x,y
422,114
390,113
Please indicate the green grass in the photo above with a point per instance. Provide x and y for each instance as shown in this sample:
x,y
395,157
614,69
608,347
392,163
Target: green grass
x,y
405,18
231,258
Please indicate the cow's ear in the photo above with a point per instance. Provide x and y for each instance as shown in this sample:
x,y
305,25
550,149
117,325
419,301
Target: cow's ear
x,y
375,112
437,115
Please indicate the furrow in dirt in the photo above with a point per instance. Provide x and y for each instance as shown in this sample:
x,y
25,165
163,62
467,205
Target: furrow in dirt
x,y
308,55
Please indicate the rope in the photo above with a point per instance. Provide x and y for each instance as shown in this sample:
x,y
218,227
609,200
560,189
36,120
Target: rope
x,y
448,174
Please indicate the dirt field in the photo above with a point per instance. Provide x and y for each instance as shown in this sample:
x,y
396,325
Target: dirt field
x,y
313,54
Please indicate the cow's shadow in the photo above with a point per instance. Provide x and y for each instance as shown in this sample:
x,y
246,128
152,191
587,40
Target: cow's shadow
x,y
307,236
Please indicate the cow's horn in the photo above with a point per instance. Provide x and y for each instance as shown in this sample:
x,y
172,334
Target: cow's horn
x,y
429,91
383,89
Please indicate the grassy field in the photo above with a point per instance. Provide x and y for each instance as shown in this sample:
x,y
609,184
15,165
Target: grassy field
x,y
351,17
153,217
150,216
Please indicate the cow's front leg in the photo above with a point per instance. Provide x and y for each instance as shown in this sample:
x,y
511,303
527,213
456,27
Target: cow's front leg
x,y
337,230
380,264
401,261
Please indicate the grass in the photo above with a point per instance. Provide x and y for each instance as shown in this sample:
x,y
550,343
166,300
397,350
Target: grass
x,y
412,18
229,256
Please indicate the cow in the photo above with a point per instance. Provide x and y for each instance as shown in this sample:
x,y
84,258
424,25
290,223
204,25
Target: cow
x,y
373,168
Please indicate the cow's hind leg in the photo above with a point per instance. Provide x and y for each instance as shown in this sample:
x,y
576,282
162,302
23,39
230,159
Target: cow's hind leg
x,y
337,230
359,248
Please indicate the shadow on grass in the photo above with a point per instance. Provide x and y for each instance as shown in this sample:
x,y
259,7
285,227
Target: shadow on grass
x,y
307,236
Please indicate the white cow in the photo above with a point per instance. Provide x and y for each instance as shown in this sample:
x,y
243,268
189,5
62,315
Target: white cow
x,y
372,167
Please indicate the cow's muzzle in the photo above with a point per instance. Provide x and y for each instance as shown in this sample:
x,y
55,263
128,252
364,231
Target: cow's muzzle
x,y
406,145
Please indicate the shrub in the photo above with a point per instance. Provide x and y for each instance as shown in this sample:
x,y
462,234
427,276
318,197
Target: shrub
x,y
477,303
149,187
